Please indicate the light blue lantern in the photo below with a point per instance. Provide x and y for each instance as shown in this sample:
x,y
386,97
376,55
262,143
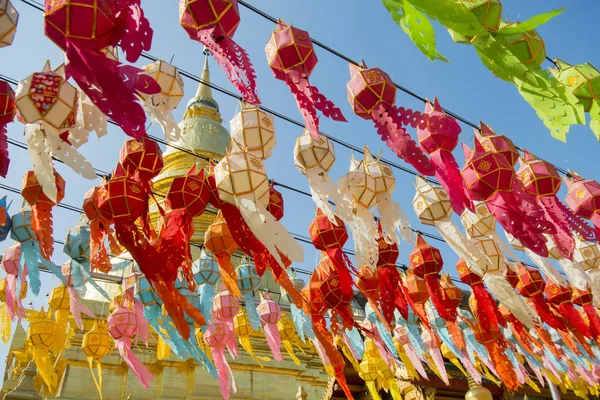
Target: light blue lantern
x,y
77,243
248,282
207,275
31,255
5,227
145,294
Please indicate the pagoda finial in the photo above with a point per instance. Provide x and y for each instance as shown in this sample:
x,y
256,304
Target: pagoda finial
x,y
204,91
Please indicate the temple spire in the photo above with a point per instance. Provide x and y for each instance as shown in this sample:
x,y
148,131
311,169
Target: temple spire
x,y
204,91
203,103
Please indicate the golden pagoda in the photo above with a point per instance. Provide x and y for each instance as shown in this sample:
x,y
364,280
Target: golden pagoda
x,y
203,137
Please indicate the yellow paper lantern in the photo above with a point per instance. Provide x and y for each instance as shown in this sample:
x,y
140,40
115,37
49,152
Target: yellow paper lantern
x,y
60,302
96,344
254,130
41,337
431,203
9,18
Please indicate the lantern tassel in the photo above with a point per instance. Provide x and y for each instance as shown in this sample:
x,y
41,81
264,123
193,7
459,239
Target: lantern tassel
x,y
302,323
198,354
569,218
390,282
438,360
373,390
543,309
355,342
438,298
568,310
251,311
11,301
393,219
235,62
228,274
324,105
389,127
273,340
592,315
415,360
77,308
112,87
45,367
486,308
247,345
41,159
141,372
322,189
503,366
30,258
5,323
160,111
41,222
501,290
290,350
143,330
223,372
99,259
98,380
448,174
68,154
207,292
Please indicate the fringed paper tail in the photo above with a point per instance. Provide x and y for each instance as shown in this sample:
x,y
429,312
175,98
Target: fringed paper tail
x,y
41,159
543,309
141,372
592,315
506,295
568,311
324,105
439,299
5,323
393,220
304,103
223,372
273,340
160,111
322,190
45,367
228,274
41,223
142,329
98,380
77,308
415,360
207,292
448,174
4,159
251,311
438,360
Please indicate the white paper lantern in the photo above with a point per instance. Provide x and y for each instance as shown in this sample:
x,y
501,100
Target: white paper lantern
x,y
431,203
254,131
9,18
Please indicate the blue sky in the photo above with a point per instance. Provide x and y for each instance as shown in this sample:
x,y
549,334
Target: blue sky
x,y
360,30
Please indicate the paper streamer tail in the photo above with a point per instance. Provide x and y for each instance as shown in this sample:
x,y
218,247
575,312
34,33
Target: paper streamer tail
x,y
112,87
577,224
251,311
160,110
247,345
228,274
439,299
143,375
5,323
543,309
565,243
355,342
98,380
45,367
4,159
372,387
134,30
273,340
393,219
235,62
30,259
415,360
503,366
41,222
324,105
486,308
438,360
290,350
568,311
592,315
77,308
448,174
322,189
143,330
197,352
466,362
305,104
223,372
41,159
10,301
499,287
207,292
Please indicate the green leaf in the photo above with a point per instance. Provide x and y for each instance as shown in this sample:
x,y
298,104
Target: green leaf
x,y
531,23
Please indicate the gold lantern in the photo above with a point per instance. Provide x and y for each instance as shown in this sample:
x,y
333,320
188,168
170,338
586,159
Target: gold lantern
x,y
41,337
96,344
60,302
243,331
9,18
289,337
254,130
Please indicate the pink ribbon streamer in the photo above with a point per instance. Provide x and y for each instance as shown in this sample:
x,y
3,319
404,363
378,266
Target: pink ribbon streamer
x,y
466,361
415,360
223,371
273,340
77,308
142,373
438,360
143,330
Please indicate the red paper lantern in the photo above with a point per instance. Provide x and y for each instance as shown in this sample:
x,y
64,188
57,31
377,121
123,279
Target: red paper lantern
x,y
368,283
121,199
189,192
142,156
391,287
583,298
531,285
41,207
453,292
213,23
83,29
438,138
7,115
584,199
490,178
560,296
541,179
275,206
292,58
372,95
426,262
499,144
511,276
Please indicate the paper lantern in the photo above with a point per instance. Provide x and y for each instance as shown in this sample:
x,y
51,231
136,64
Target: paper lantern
x,y
95,345
438,138
7,114
160,106
77,243
292,58
59,301
583,197
218,240
41,207
431,203
496,143
490,178
254,130
417,289
487,12
83,29
579,80
333,295
225,307
528,47
145,294
314,158
368,372
142,156
99,231
121,199
560,296
41,337
391,288
583,298
219,335
213,23
9,18
587,254
479,224
270,314
206,269
368,283
11,259
531,285
275,206
426,262
122,326
372,94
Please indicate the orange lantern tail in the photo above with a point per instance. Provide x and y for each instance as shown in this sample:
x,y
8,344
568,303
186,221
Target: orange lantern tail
x,y
228,274
41,215
502,364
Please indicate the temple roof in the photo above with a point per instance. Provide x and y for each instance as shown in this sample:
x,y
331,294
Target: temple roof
x,y
201,128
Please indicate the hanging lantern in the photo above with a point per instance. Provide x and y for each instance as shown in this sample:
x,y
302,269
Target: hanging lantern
x,y
541,179
5,219
368,372
314,158
372,94
242,181
9,17
532,285
218,336
407,351
275,206
496,143
160,106
41,208
528,47
487,12
60,303
191,296
206,275
225,307
143,157
391,288
218,241
432,343
41,337
249,282
11,264
47,105
292,58
95,345
560,296
122,326
582,198
479,224
7,115
302,321
213,23
270,314
99,230
438,138
122,200
243,330
490,178
426,262
583,298
254,130
83,30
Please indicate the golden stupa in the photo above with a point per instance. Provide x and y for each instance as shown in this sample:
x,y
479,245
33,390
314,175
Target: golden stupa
x,y
203,134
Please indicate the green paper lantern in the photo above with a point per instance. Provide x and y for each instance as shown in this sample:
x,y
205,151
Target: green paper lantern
x,y
528,47
488,12
582,80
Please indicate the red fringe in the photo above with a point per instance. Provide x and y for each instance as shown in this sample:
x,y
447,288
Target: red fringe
x,y
568,311
438,298
541,307
228,274
592,315
390,282
41,222
486,309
